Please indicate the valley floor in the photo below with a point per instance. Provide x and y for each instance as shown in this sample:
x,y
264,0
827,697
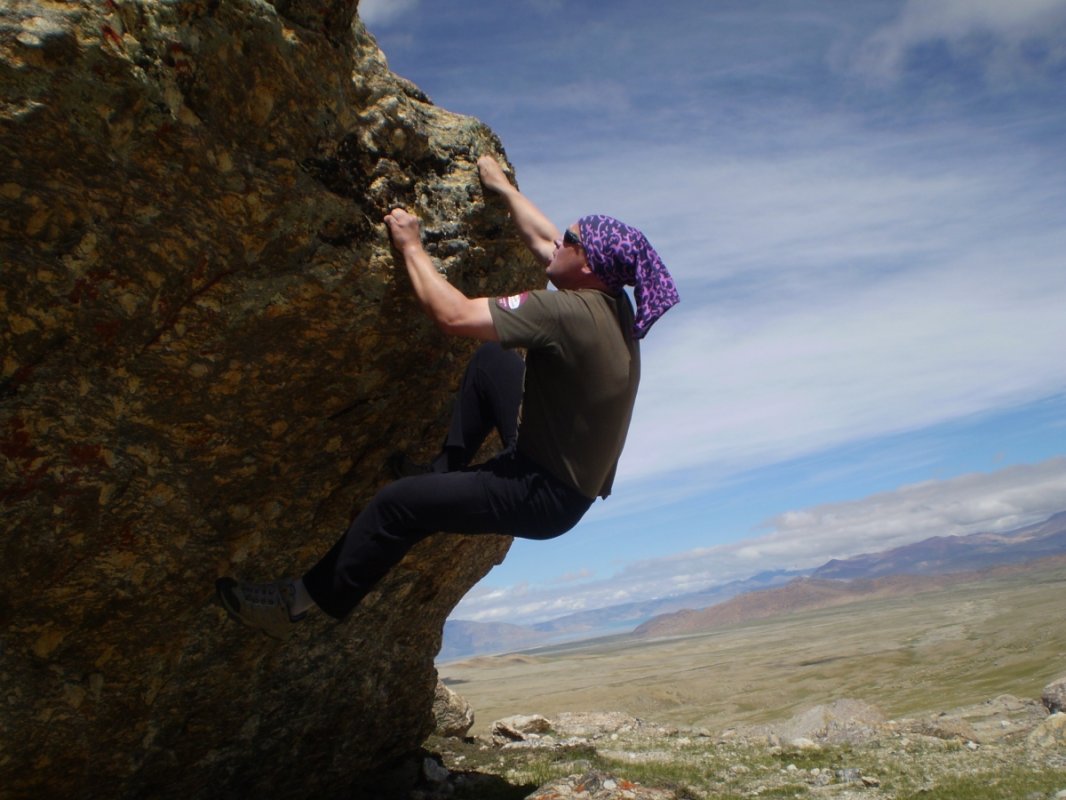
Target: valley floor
x,y
952,677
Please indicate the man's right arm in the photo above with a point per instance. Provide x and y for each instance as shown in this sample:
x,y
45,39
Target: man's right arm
x,y
536,230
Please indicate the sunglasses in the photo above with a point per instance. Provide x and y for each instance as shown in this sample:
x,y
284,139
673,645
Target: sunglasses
x,y
571,238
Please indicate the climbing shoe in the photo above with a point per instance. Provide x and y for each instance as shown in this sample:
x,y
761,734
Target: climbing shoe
x,y
263,606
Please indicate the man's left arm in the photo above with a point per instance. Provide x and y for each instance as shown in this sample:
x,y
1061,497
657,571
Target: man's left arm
x,y
452,311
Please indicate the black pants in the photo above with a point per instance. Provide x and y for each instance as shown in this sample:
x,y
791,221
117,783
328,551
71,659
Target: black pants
x,y
508,494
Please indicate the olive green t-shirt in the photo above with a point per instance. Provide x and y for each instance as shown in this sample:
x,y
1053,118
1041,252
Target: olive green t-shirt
x,y
582,371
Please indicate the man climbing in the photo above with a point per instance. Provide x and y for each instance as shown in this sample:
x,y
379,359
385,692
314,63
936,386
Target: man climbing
x,y
576,391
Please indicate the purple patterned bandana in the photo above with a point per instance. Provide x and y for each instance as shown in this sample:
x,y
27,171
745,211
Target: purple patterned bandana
x,y
620,255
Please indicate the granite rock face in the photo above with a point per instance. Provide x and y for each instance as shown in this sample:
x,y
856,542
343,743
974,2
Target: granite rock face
x,y
207,349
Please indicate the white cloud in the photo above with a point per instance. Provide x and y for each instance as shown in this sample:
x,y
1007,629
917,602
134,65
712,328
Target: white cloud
x,y
573,577
993,502
979,502
765,381
1008,37
864,290
378,12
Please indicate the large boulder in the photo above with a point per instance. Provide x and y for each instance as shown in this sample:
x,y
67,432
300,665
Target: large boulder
x,y
207,350
452,712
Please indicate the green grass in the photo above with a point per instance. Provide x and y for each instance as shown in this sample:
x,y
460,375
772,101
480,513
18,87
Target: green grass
x,y
1010,784
726,773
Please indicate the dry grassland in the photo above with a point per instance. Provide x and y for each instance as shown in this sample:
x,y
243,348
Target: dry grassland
x,y
933,651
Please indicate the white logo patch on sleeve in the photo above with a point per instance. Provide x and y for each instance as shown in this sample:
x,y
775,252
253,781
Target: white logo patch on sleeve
x,y
513,302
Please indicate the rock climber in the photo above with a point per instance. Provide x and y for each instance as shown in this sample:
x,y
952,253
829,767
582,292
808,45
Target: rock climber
x,y
576,390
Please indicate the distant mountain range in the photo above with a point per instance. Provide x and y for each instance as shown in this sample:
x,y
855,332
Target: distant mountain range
x,y
945,554
888,573
463,638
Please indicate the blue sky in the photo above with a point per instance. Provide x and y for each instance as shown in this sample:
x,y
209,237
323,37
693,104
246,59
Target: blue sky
x,y
864,205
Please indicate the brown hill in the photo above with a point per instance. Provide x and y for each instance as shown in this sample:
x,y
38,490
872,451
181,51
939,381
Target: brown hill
x,y
945,554
808,594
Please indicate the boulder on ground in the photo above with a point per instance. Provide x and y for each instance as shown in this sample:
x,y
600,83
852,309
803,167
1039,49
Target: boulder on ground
x,y
1049,734
452,712
519,728
1054,696
839,722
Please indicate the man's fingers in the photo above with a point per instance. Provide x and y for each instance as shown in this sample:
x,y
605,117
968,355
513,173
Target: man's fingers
x,y
404,227
491,174
489,167
400,216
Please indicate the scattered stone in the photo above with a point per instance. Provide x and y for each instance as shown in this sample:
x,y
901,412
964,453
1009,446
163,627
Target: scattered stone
x,y
840,722
1054,696
520,728
1050,734
1001,718
739,756
948,728
821,777
597,785
594,725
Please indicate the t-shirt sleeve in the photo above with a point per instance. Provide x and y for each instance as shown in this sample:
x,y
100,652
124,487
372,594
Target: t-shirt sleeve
x,y
528,319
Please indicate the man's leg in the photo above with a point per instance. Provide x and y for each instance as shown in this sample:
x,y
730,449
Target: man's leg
x,y
488,399
502,496
507,495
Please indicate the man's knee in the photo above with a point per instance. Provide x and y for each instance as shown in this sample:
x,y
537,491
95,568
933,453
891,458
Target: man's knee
x,y
392,499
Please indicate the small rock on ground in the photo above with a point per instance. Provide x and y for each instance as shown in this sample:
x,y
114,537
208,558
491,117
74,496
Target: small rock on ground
x,y
597,785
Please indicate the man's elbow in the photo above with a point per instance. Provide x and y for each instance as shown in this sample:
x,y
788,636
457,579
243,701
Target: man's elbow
x,y
471,319
448,325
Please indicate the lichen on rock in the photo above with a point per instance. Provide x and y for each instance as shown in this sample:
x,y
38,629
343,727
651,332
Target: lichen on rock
x,y
206,353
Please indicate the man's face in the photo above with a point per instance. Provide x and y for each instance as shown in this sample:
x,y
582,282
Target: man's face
x,y
568,267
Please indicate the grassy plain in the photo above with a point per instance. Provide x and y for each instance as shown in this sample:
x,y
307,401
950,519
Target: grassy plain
x,y
929,652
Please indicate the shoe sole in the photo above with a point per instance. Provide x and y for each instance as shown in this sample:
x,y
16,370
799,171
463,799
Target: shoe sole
x,y
227,598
